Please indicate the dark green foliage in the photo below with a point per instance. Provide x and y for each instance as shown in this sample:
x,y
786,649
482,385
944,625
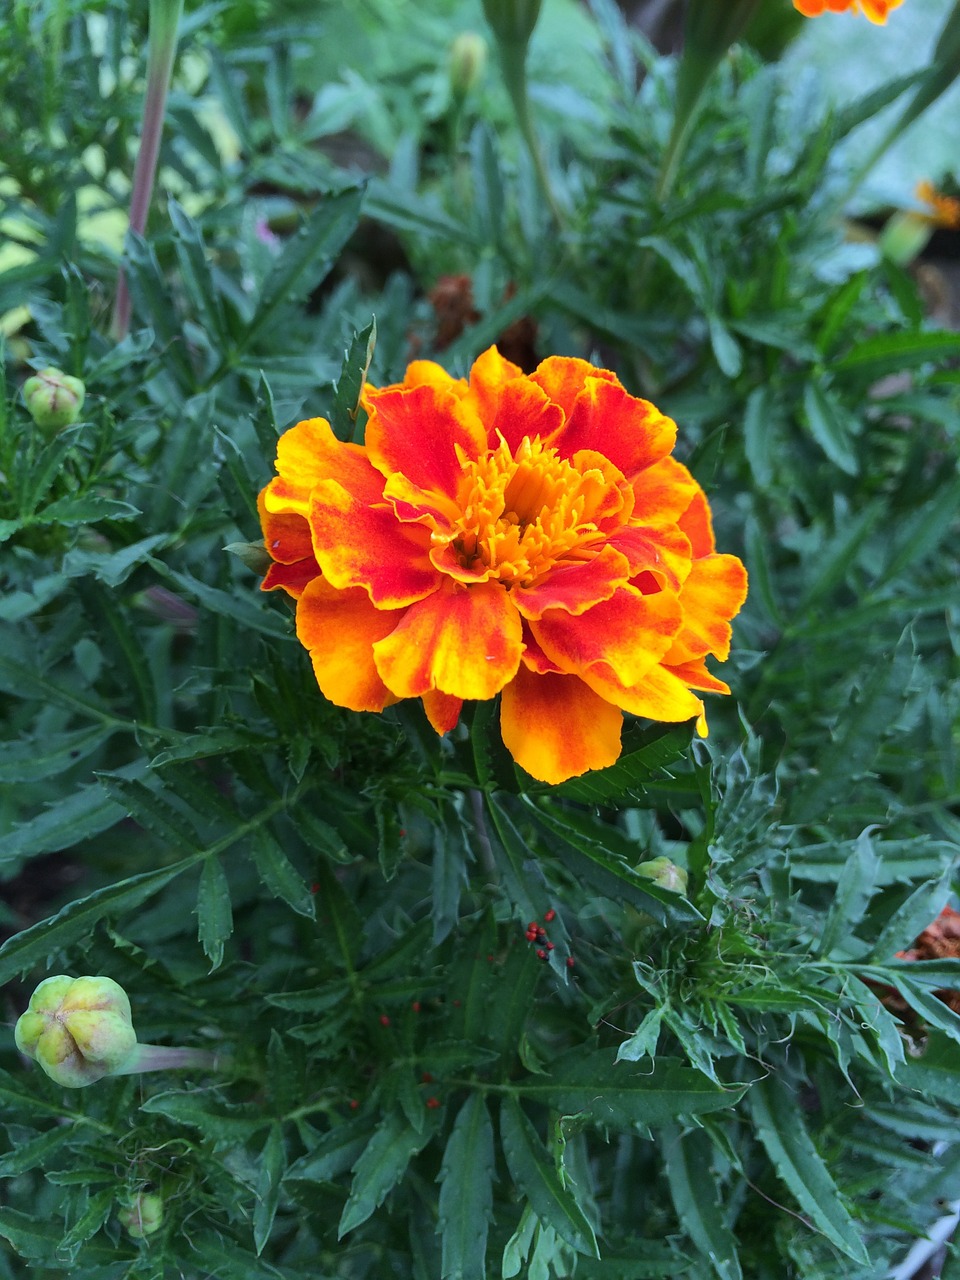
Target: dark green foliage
x,y
663,1084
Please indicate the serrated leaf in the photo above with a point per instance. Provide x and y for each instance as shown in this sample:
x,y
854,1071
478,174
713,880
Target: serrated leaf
x,y
195,272
617,1094
854,891
658,746
85,813
830,427
380,1168
933,1011
535,1176
891,353
643,1042
517,864
912,916
216,1121
345,412
307,257
449,875
214,911
466,1192
32,947
85,509
779,1125
34,758
98,1209
272,1165
280,875
335,1153
936,1072
693,1186
34,1153
145,805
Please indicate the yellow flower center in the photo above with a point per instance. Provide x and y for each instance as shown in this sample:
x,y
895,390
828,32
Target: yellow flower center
x,y
522,513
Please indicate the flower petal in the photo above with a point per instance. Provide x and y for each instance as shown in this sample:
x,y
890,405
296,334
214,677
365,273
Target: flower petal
x,y
696,675
663,491
366,546
534,657
630,632
697,523
414,435
339,629
442,709
309,453
286,536
574,588
465,641
422,373
564,377
632,433
660,695
556,728
663,551
487,378
291,578
711,595
523,410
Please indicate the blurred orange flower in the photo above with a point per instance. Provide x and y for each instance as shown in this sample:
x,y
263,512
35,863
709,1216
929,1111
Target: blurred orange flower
x,y
875,10
944,210
528,536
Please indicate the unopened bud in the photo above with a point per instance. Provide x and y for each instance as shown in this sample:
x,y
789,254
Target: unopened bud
x,y
54,399
78,1029
143,1216
468,57
664,873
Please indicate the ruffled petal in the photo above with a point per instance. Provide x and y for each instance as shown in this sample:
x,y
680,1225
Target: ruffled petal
x,y
534,657
442,709
661,551
711,595
630,632
419,438
632,433
696,675
663,492
556,728
465,641
309,453
488,376
427,373
286,536
366,546
697,523
339,630
575,588
523,411
660,695
564,377
292,578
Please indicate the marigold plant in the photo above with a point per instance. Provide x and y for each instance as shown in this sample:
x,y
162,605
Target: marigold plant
x,y
528,536
876,10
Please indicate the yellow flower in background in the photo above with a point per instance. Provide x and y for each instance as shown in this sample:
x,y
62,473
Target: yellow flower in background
x,y
528,536
876,10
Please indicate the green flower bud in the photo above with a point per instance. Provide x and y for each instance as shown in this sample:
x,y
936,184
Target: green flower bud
x,y
78,1029
143,1216
54,399
468,57
664,873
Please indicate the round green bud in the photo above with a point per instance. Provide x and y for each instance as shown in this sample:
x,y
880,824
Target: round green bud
x,y
54,399
78,1029
468,57
143,1216
664,873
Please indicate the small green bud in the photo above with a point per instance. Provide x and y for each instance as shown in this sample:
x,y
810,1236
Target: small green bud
x,y
468,57
664,873
78,1029
143,1216
54,399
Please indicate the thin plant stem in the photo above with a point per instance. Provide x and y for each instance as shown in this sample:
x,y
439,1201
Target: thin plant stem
x,y
164,21
513,61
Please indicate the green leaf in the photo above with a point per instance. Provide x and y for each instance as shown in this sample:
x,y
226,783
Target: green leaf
x,y
693,1186
85,509
450,856
307,257
779,1124
891,353
759,438
466,1192
584,848
34,1153
617,1094
380,1168
912,916
85,813
535,1176
649,754
643,1042
195,272
345,411
936,1073
517,864
214,912
217,1122
932,1010
829,425
280,875
854,891
144,805
31,759
77,920
272,1165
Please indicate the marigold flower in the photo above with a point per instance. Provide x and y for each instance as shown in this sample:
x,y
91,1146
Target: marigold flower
x,y
528,536
944,211
875,10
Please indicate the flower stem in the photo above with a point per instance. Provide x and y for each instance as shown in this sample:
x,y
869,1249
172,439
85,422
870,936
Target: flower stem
x,y
164,20
157,1057
513,63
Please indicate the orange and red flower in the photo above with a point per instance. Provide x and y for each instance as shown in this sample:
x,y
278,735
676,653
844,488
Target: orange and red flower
x,y
876,10
528,536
